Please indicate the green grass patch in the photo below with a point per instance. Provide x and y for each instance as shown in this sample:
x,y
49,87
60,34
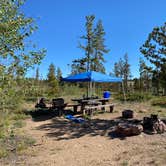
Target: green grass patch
x,y
124,163
18,116
132,97
3,152
14,143
10,140
18,124
159,101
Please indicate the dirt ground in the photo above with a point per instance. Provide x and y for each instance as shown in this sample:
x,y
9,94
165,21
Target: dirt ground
x,y
60,142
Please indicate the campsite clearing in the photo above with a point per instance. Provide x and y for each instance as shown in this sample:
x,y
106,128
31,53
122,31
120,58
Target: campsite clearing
x,y
61,142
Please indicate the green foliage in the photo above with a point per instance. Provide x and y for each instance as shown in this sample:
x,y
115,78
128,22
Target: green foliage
x,y
145,76
18,124
14,143
15,28
24,142
53,85
17,55
9,138
71,90
138,97
51,73
99,48
159,101
3,152
94,48
18,116
59,74
122,69
4,124
13,92
154,49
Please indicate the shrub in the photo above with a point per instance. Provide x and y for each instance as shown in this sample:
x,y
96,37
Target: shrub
x,y
3,152
160,101
134,97
16,143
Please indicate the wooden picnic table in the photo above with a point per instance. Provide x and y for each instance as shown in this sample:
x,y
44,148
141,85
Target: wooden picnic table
x,y
92,102
102,100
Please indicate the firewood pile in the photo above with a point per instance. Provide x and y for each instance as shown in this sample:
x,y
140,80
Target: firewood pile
x,y
154,124
131,127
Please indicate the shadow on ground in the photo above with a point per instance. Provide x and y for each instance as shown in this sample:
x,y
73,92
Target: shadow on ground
x,y
45,114
64,129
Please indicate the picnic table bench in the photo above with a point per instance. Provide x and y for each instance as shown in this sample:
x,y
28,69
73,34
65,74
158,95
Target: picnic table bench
x,y
75,107
90,109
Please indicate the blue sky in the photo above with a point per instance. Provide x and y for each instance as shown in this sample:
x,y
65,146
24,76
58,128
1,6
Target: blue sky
x,y
127,24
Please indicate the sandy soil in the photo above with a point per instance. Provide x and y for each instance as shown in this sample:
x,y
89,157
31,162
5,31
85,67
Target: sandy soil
x,y
60,142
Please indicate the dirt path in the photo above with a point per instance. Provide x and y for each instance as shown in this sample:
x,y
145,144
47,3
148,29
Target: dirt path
x,y
60,142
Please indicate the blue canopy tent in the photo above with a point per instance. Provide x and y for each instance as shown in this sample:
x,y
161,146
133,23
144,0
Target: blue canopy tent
x,y
90,77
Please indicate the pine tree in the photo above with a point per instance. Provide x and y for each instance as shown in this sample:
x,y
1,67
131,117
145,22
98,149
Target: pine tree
x,y
99,48
154,49
88,48
94,48
52,81
59,74
78,66
51,73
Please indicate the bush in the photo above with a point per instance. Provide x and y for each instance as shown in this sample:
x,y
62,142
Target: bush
x,y
3,152
160,101
134,97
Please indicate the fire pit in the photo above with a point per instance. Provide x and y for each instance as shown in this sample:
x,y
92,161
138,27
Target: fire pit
x,y
128,129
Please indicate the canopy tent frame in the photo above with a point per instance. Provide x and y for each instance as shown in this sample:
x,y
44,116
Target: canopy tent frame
x,y
92,77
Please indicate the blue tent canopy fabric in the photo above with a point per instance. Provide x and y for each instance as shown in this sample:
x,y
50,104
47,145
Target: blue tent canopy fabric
x,y
91,76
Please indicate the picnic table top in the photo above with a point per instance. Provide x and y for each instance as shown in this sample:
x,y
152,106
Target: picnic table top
x,y
99,99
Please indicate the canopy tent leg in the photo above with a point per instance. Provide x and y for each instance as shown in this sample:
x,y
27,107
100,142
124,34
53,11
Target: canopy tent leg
x,y
90,90
94,88
87,90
